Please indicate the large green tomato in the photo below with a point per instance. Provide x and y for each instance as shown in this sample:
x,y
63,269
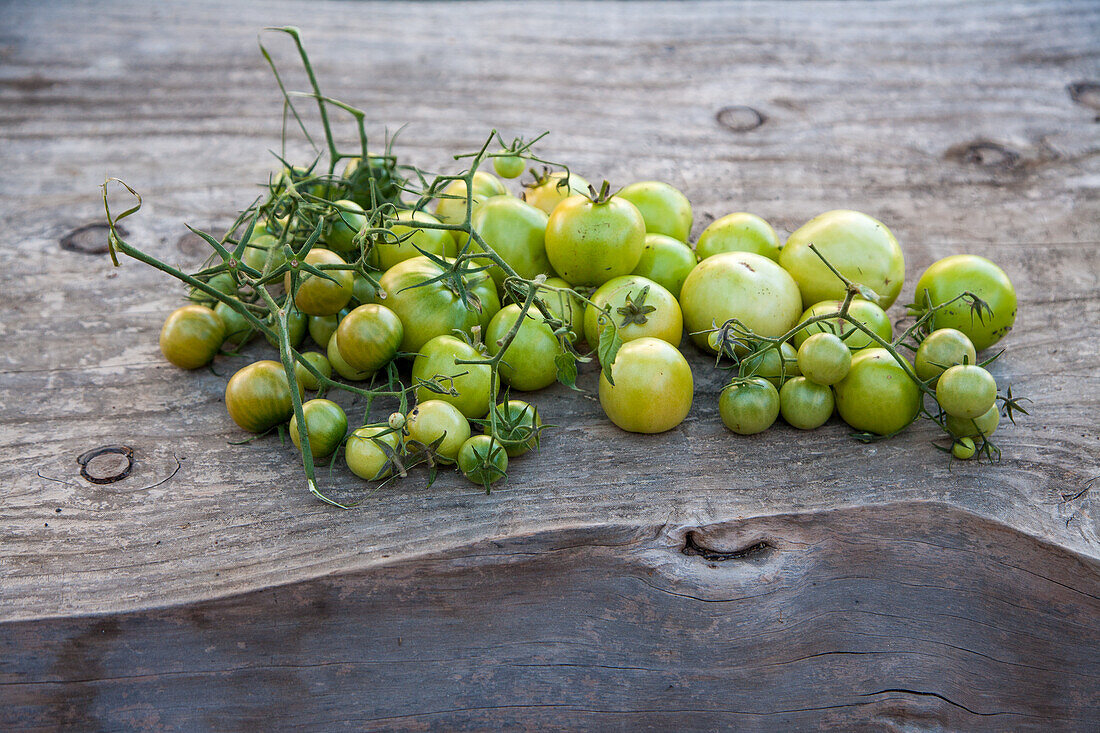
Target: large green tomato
x,y
665,209
589,243
365,454
516,231
258,396
528,362
451,207
653,387
951,277
191,336
386,253
550,190
369,336
472,382
859,247
317,296
877,396
864,311
666,261
434,420
655,314
568,308
748,408
347,219
326,425
430,309
738,232
741,285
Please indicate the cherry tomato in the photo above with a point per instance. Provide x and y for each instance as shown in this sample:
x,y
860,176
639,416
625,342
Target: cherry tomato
x,y
326,425
738,232
321,328
528,362
516,231
664,209
261,248
549,191
296,326
191,336
434,419
368,337
966,391
823,358
387,253
639,307
740,285
320,297
363,291
775,365
665,261
508,166
942,349
518,426
951,277
877,396
379,170
258,396
238,331
365,454
864,311
963,449
983,426
859,247
340,365
568,308
347,220
748,408
320,362
471,381
804,404
653,387
430,309
451,207
482,460
589,243
222,282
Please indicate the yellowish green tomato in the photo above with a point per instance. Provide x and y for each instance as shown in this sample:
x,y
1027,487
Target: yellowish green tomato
x,y
864,311
472,382
508,166
451,207
859,247
257,396
966,391
347,220
741,285
738,232
407,238
317,296
528,362
638,307
516,231
365,454
653,387
432,420
664,208
341,367
665,261
368,337
877,396
482,460
823,358
319,362
983,426
941,350
775,365
951,277
589,243
518,424
191,336
549,191
749,407
804,404
296,325
238,331
261,248
568,308
963,449
326,425
363,291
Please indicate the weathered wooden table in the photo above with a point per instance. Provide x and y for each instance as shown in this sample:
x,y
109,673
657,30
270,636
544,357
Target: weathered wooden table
x,y
694,579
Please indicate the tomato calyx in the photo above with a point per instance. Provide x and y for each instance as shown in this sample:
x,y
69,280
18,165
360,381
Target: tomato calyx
x,y
635,311
602,196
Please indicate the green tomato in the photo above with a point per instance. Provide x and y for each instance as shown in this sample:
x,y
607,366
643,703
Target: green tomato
x,y
472,382
823,358
966,391
319,362
222,282
363,291
738,232
379,169
347,220
305,180
432,420
951,277
482,460
260,249
639,307
516,231
550,190
963,449
238,331
451,207
317,296
940,350
739,285
366,455
321,328
804,404
664,209
191,336
296,325
429,309
568,308
258,396
665,261
528,362
387,253
590,243
508,166
653,387
368,337
748,408
877,396
859,247
341,367
775,365
518,426
864,311
326,425
979,427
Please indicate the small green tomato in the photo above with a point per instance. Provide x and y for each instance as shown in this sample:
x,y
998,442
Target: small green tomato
x,y
749,407
963,449
483,460
365,454
824,358
326,425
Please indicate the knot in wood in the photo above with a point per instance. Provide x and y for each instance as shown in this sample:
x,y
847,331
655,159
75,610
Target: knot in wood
x,y
984,153
106,464
740,118
89,239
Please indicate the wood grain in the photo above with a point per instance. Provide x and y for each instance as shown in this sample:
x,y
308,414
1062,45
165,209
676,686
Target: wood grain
x,y
963,127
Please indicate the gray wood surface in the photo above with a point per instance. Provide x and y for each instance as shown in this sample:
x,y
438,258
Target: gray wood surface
x,y
965,127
